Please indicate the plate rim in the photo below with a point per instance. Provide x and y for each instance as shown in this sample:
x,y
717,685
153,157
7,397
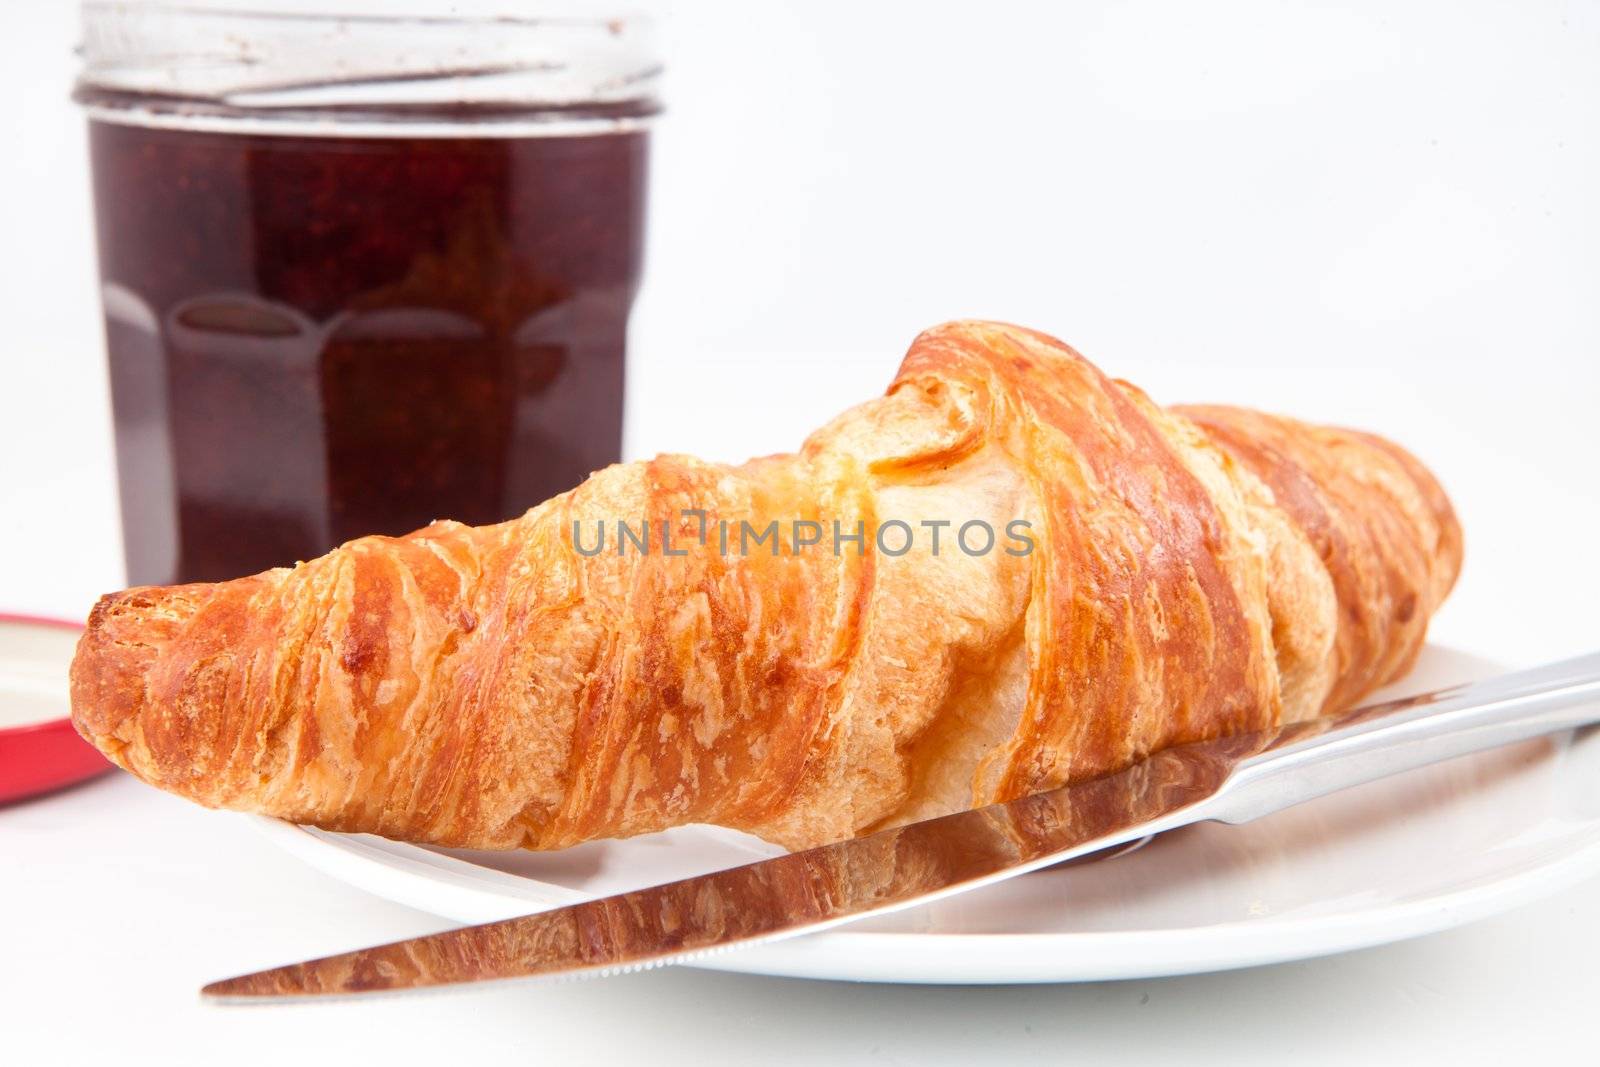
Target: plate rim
x,y
50,754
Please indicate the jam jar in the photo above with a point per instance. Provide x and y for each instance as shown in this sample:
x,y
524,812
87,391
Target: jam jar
x,y
359,271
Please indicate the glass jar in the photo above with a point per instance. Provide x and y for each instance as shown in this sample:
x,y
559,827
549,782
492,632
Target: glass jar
x,y
359,271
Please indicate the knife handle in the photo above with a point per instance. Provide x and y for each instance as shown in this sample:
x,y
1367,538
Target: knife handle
x,y
1384,739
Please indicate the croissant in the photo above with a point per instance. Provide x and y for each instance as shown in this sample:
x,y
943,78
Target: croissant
x,y
1008,573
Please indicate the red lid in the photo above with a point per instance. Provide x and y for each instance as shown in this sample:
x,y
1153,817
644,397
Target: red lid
x,y
39,749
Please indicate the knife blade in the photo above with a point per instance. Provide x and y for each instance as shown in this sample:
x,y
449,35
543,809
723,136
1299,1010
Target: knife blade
x,y
1230,779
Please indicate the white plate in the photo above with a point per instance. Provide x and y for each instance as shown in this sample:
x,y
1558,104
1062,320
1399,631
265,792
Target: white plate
x,y
1410,855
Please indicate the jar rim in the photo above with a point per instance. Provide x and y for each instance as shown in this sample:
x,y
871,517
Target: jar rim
x,y
548,65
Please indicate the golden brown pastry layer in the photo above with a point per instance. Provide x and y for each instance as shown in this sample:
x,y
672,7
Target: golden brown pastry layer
x,y
1194,572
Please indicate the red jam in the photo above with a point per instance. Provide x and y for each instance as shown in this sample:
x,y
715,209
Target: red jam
x,y
314,338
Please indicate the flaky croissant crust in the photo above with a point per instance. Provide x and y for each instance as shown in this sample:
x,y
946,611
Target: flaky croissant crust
x,y
1195,572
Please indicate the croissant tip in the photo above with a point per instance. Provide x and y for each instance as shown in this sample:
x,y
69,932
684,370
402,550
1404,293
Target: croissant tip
x,y
99,707
122,639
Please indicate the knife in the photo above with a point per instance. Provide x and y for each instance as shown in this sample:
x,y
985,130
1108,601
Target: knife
x,y
1229,779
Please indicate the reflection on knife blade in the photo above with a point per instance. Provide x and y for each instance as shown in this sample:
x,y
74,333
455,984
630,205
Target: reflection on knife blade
x,y
797,893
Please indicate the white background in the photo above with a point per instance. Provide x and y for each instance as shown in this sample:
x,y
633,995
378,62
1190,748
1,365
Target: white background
x,y
1380,215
